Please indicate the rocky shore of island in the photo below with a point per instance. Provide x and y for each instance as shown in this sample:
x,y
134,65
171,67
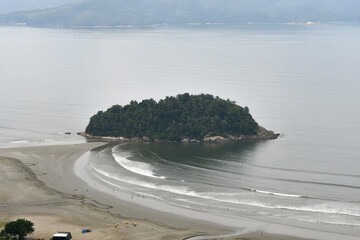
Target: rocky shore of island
x,y
262,134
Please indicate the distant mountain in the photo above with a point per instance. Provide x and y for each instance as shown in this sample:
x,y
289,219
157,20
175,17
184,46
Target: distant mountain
x,y
145,12
9,6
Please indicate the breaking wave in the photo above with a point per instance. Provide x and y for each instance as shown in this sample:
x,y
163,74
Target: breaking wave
x,y
140,168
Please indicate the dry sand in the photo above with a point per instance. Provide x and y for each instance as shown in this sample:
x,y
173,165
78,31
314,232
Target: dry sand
x,y
39,184
23,195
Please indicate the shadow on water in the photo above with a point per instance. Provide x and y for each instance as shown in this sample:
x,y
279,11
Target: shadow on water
x,y
230,157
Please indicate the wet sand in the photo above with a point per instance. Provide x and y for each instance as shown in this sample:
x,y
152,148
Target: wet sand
x,y
25,193
39,183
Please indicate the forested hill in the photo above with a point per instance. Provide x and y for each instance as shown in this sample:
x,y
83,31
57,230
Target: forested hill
x,y
148,12
175,118
8,6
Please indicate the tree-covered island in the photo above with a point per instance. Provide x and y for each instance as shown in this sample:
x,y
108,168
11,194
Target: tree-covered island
x,y
182,118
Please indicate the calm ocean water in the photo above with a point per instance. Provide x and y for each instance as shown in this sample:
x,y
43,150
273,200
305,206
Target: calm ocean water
x,y
299,80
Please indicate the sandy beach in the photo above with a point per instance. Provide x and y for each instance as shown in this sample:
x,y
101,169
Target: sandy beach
x,y
24,194
39,183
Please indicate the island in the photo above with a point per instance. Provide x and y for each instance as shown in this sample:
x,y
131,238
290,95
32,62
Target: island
x,y
185,118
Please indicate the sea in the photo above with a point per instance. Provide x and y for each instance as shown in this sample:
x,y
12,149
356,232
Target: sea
x,y
299,80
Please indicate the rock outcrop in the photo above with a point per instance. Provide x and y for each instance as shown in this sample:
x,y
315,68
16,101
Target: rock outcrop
x,y
261,134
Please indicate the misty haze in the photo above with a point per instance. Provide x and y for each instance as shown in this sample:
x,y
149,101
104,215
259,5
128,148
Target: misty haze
x,y
168,119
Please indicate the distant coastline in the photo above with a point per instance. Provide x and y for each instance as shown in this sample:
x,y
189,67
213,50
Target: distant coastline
x,y
141,13
187,24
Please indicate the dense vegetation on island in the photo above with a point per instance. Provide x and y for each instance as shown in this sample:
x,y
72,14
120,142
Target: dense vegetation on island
x,y
148,12
174,118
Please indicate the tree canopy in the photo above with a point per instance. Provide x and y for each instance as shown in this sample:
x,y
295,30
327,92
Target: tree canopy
x,y
174,118
20,227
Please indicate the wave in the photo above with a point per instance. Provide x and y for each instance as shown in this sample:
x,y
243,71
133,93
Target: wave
x,y
289,195
273,193
235,174
278,168
123,188
327,208
327,221
330,207
167,162
140,168
317,183
18,141
44,140
182,190
279,194
307,171
314,219
263,191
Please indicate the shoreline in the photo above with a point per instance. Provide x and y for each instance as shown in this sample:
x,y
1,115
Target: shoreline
x,y
262,134
52,190
303,23
44,178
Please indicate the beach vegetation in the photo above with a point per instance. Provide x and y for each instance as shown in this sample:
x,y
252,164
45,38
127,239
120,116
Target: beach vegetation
x,y
174,118
19,228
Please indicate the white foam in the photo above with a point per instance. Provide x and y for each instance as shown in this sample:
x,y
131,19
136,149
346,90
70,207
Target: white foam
x,y
332,207
141,168
277,194
44,140
326,208
18,141
192,202
329,208
178,190
341,208
181,190
328,221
